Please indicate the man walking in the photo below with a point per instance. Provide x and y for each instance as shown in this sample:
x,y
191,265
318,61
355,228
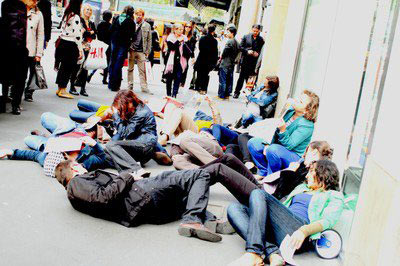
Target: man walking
x,y
250,46
140,50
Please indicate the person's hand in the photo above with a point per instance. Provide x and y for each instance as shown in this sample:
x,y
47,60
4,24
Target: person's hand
x,y
297,239
282,125
250,52
255,54
37,58
265,150
47,44
293,166
91,32
88,141
192,61
80,55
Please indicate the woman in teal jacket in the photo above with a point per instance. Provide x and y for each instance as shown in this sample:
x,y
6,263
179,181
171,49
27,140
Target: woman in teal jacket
x,y
308,210
291,137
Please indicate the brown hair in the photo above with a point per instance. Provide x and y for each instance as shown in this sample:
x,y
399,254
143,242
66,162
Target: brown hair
x,y
122,100
312,108
324,149
63,172
190,34
273,83
326,174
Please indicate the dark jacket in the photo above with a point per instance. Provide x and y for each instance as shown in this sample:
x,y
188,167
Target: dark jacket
x,y
122,32
229,54
87,36
141,126
108,196
289,180
45,7
208,53
175,47
249,62
104,32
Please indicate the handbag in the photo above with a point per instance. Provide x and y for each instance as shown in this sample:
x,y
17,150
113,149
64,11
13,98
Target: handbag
x,y
38,80
97,58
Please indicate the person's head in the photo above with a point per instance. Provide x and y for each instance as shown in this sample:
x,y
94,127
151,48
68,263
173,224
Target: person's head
x,y
211,29
271,83
317,150
126,102
129,11
107,15
87,11
66,170
151,23
188,30
255,30
167,30
323,174
231,32
139,15
31,4
307,104
178,29
73,8
204,31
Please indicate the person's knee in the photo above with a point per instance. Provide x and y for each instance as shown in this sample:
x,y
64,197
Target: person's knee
x,y
254,145
257,195
46,116
273,150
110,145
233,209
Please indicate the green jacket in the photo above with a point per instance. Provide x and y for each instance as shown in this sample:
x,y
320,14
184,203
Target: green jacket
x,y
297,135
325,207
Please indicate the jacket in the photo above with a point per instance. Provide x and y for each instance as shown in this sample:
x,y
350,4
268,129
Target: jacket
x,y
146,36
35,33
45,7
104,32
248,62
229,54
264,100
297,135
93,158
175,47
108,196
208,53
122,30
141,126
87,36
325,207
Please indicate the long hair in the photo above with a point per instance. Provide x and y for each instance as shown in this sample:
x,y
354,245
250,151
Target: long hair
x,y
122,100
73,8
190,34
312,108
323,148
327,174
273,84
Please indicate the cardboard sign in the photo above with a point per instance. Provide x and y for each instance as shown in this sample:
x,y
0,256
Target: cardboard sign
x,y
63,145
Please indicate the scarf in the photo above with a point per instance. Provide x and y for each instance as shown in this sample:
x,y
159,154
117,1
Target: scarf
x,y
170,63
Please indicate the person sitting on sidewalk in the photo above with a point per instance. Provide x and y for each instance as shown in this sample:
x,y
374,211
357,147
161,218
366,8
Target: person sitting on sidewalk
x,y
191,150
291,138
130,200
310,209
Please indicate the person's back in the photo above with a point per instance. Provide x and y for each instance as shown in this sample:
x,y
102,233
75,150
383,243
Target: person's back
x,y
104,31
122,30
228,59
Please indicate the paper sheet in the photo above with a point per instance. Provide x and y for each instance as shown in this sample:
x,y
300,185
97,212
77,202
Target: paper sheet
x,y
287,251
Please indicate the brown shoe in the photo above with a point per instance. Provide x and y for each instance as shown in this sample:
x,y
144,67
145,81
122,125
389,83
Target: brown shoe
x,y
198,230
62,93
162,158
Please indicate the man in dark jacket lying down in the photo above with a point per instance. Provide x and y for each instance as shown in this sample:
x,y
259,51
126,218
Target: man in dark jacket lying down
x,y
130,200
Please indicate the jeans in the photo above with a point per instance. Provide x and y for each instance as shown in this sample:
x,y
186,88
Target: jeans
x,y
243,76
118,56
249,118
202,80
176,78
277,157
241,150
224,135
86,110
29,155
264,223
225,82
233,175
200,115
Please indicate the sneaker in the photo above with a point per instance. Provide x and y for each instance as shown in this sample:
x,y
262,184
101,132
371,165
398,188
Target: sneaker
x,y
198,230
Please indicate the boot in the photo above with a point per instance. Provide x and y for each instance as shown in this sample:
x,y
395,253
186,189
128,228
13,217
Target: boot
x,y
16,110
83,92
73,91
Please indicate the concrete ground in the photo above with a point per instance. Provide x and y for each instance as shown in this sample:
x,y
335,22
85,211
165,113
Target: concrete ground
x,y
38,226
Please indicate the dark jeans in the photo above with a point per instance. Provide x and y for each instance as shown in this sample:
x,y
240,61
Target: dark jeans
x,y
243,76
264,223
17,90
224,135
127,153
176,194
193,81
176,77
118,56
234,175
202,80
241,150
29,155
31,64
67,54
225,82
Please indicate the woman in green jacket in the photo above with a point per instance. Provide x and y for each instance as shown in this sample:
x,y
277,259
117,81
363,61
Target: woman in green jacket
x,y
308,210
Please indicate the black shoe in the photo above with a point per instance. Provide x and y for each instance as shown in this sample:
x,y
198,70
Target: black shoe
x,y
28,98
84,93
89,78
105,82
235,96
16,110
73,91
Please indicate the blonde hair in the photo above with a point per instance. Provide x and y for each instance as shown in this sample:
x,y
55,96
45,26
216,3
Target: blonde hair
x,y
139,10
312,108
84,6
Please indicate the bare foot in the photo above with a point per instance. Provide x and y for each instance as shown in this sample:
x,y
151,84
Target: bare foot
x,y
276,260
5,152
248,259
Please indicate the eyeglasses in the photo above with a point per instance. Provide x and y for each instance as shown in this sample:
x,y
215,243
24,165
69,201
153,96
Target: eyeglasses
x,y
188,27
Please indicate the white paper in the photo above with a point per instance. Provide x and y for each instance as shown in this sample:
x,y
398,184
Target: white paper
x,y
61,144
287,251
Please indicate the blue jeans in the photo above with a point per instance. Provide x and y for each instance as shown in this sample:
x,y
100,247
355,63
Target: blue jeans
x,y
277,156
225,82
200,115
29,155
224,135
176,77
118,56
248,119
264,223
86,110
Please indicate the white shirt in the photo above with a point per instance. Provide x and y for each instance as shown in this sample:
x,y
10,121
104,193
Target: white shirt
x,y
72,31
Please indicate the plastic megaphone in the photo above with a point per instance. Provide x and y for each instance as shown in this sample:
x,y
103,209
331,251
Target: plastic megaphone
x,y
329,245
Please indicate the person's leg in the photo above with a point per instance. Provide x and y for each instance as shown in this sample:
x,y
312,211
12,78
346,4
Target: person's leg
x,y
183,162
229,83
243,140
200,115
206,81
29,155
177,81
222,83
247,119
239,83
121,156
234,149
172,119
36,143
203,149
18,89
80,116
88,106
187,123
111,64
256,149
57,125
28,92
131,68
141,60
168,84
239,218
224,135
193,81
279,158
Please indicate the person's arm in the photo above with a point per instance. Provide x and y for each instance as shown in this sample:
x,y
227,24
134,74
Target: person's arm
x,y
77,32
149,41
40,38
264,100
93,27
299,135
243,47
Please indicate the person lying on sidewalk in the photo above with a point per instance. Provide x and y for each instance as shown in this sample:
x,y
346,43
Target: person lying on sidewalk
x,y
130,200
191,150
310,209
177,120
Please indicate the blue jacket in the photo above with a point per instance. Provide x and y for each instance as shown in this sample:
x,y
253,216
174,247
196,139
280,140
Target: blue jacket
x,y
141,126
93,158
265,98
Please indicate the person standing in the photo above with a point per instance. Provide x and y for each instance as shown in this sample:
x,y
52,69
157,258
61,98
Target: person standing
x,y
155,41
35,37
45,7
207,59
227,65
122,31
250,46
140,50
69,47
14,16
188,32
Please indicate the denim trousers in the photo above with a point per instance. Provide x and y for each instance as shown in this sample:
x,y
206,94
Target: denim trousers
x,y
118,56
29,155
176,78
277,157
240,150
264,223
85,110
200,115
224,135
225,82
249,118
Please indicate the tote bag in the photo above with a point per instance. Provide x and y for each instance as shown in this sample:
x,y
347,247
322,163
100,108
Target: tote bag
x,y
97,58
